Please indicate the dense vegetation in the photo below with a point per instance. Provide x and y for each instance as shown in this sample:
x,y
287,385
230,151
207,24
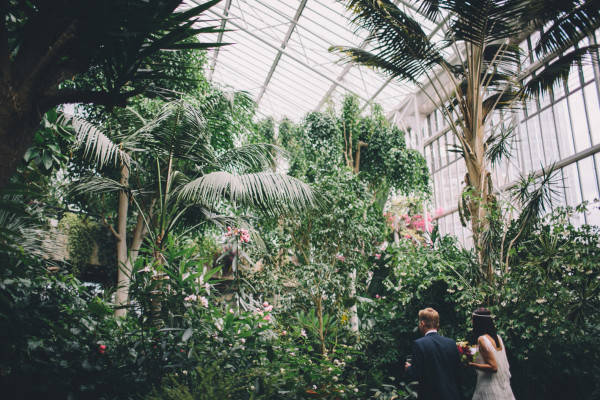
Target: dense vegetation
x,y
179,249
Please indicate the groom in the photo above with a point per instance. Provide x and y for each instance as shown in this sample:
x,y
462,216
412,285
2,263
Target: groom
x,y
436,361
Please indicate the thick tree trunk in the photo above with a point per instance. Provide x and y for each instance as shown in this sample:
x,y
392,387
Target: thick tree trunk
x,y
478,181
124,276
17,128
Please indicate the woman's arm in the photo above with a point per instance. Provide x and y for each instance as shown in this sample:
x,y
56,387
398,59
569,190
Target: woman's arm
x,y
489,359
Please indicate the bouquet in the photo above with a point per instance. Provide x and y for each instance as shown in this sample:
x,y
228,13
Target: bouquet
x,y
468,353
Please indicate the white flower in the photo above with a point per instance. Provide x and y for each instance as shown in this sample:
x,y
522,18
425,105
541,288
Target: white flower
x,y
329,369
184,372
355,390
282,370
203,300
243,340
314,386
145,269
191,297
335,378
207,287
302,332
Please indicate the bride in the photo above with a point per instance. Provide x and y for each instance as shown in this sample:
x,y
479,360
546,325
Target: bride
x,y
493,375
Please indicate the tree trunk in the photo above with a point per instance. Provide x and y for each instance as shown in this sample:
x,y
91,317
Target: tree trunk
x,y
17,128
124,276
319,309
478,181
353,309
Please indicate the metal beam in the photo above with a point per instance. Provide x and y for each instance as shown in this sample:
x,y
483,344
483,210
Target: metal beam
x,y
559,165
283,46
339,79
213,63
285,53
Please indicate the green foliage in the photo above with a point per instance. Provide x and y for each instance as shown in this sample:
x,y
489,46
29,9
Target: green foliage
x,y
49,150
387,161
324,142
82,233
51,331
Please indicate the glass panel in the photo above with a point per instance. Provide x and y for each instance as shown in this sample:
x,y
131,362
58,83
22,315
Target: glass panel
x,y
435,154
439,196
446,183
535,143
593,111
545,100
573,192
589,187
588,72
526,153
453,182
578,121
428,158
443,151
549,136
573,82
563,128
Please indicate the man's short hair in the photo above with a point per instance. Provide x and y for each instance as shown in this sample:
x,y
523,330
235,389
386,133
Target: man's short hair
x,y
430,317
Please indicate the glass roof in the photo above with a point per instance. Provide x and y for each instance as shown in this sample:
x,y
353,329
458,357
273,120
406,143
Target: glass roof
x,y
279,54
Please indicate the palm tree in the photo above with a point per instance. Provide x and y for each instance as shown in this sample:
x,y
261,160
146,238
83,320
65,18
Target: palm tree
x,y
172,172
115,48
486,72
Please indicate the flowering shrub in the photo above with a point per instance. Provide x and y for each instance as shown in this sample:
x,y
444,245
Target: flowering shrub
x,y
242,234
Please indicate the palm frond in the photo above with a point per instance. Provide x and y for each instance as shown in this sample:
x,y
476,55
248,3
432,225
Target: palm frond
x,y
251,157
536,195
397,39
268,191
95,185
96,145
500,145
577,20
557,72
485,22
410,73
179,130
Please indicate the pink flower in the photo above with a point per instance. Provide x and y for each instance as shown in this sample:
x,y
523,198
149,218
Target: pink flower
x,y
102,349
267,318
407,236
265,304
284,333
191,297
268,308
340,257
203,300
302,332
377,256
439,211
377,296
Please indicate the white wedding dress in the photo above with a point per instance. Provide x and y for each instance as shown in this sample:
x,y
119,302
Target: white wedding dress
x,y
494,386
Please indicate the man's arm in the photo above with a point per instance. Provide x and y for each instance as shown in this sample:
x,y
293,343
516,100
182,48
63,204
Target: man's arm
x,y
414,370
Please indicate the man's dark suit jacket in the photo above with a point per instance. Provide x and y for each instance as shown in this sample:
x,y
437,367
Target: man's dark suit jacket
x,y
436,365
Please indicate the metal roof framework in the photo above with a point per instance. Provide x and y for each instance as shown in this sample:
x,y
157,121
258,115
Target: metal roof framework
x,y
280,55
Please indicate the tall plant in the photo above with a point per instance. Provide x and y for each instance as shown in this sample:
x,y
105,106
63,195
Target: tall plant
x,y
486,72
117,44
176,178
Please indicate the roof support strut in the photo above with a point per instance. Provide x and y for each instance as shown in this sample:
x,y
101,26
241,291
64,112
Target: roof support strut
x,y
286,53
213,64
283,46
